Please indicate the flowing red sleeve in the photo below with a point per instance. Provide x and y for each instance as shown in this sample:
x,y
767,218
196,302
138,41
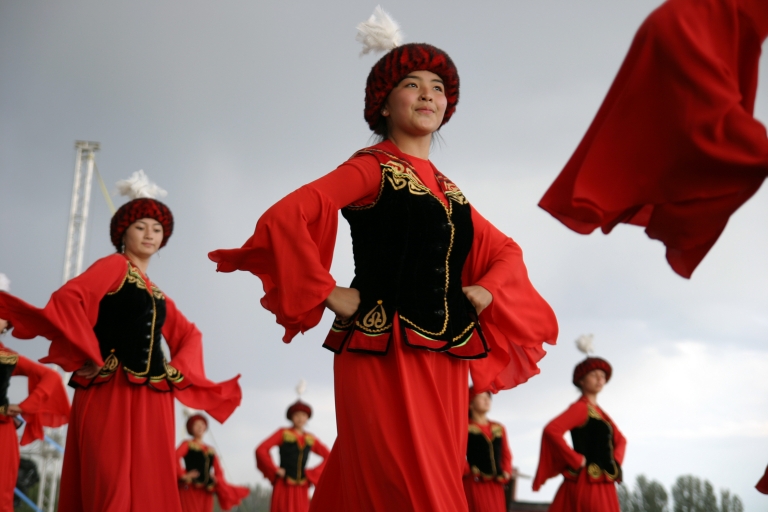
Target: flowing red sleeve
x,y
762,485
186,344
556,456
292,247
229,495
264,460
47,404
181,452
674,146
68,318
518,321
313,474
506,454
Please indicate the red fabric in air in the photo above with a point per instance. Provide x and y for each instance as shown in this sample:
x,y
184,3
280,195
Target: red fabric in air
x,y
762,485
201,500
488,495
557,457
674,146
419,397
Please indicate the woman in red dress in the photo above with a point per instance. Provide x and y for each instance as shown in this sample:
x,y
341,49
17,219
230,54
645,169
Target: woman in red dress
x,y
593,466
291,480
201,475
105,325
438,292
46,405
489,461
675,146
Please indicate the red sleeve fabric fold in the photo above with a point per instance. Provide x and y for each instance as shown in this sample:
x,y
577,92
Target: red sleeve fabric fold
x,y
68,318
229,495
291,249
47,404
506,454
556,456
314,474
181,452
264,461
186,344
674,146
518,321
762,485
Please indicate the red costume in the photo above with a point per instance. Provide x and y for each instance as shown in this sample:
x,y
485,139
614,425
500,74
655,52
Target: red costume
x,y
488,459
291,492
46,405
197,496
590,488
120,443
674,147
397,394
762,485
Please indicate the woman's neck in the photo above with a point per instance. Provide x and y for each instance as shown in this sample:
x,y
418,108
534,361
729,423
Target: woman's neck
x,y
198,439
479,418
590,397
410,145
299,430
140,263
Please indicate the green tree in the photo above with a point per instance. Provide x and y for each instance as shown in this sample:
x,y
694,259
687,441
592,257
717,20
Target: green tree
x,y
647,496
730,503
257,501
688,494
625,498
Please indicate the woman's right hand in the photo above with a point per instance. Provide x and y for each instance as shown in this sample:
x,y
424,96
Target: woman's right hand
x,y
343,301
89,370
191,475
3,325
280,472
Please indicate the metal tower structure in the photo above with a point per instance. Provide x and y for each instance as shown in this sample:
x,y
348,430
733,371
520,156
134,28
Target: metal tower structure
x,y
50,452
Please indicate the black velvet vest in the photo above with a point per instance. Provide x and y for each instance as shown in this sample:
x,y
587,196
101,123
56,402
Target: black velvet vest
x,y
8,362
483,454
201,459
129,329
293,458
409,250
594,440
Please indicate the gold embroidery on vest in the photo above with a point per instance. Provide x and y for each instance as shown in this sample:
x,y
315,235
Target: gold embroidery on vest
x,y
376,318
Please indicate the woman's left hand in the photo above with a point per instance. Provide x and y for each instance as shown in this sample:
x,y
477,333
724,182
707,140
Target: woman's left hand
x,y
478,296
13,410
89,370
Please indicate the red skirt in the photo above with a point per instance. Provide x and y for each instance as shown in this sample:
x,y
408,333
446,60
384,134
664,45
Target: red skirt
x,y
121,450
9,463
195,500
484,496
289,498
584,496
402,433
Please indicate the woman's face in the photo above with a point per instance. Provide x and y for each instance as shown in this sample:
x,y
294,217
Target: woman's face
x,y
416,105
481,403
143,237
198,428
593,382
299,419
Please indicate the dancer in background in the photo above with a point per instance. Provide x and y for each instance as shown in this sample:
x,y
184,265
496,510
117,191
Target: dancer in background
x,y
201,475
593,466
489,461
105,325
436,286
675,146
291,480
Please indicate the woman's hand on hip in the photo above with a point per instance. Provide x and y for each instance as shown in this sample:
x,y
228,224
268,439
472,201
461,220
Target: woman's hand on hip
x,y
89,370
343,301
478,296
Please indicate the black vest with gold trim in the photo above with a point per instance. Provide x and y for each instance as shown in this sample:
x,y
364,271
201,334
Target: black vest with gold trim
x,y
201,459
293,458
409,250
483,454
594,440
8,361
129,328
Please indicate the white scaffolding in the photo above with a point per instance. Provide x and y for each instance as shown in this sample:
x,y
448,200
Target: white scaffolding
x,y
49,453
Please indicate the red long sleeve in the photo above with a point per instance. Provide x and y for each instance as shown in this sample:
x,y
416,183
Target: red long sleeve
x,y
674,146
556,456
181,452
47,404
506,454
229,495
264,460
314,474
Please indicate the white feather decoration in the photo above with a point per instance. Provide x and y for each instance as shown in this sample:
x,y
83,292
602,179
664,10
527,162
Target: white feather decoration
x,y
301,388
584,343
5,283
380,33
138,185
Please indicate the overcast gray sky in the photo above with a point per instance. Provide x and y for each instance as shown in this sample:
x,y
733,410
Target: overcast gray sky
x,y
230,105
